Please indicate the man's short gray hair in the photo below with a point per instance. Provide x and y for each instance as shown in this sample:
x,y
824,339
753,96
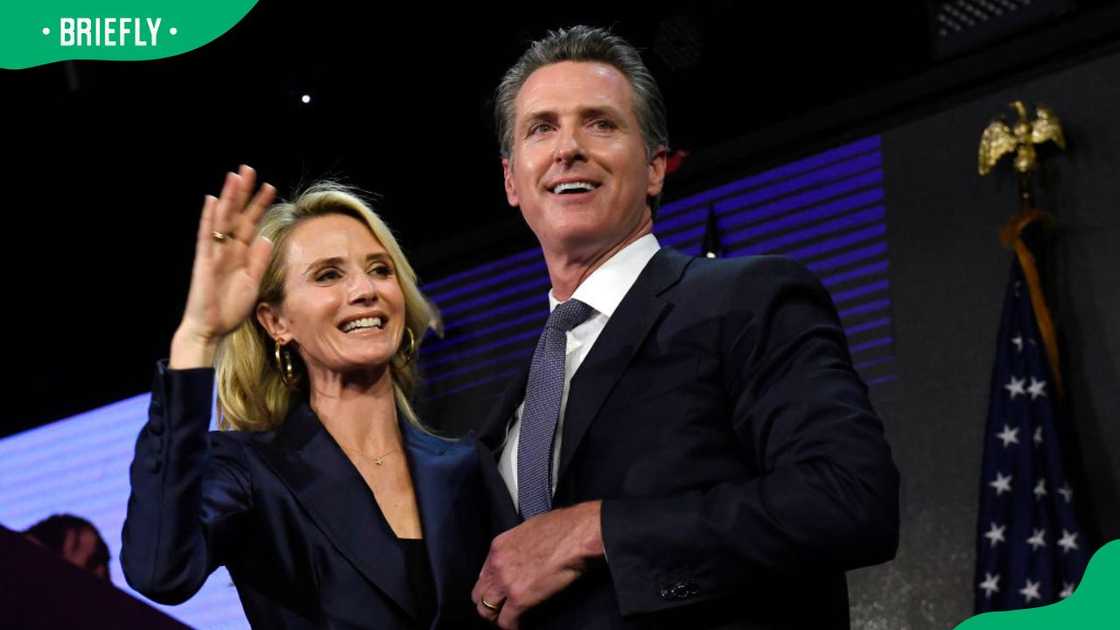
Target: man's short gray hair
x,y
585,43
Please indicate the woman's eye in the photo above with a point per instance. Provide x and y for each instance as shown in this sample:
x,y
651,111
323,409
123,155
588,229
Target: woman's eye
x,y
327,274
381,270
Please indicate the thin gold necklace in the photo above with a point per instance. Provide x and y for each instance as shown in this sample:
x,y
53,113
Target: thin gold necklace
x,y
376,460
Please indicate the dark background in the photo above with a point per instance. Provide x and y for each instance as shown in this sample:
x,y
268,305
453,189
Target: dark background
x,y
105,166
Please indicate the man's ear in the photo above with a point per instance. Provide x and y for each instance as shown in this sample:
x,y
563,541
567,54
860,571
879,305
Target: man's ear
x,y
511,187
657,166
273,322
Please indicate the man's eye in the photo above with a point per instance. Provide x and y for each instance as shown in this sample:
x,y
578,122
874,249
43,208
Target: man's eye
x,y
539,128
603,124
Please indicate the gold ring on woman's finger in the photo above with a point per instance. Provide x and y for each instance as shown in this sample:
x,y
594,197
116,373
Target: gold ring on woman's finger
x,y
494,607
221,237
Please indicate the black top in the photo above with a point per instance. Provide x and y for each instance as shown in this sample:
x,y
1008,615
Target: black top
x,y
420,579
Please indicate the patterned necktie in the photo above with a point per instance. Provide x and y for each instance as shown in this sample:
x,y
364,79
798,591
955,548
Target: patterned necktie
x,y
543,393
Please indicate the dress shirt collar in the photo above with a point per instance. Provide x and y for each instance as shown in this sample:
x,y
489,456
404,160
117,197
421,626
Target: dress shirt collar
x,y
604,289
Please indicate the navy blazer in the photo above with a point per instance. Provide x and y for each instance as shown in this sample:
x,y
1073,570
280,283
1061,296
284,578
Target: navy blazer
x,y
292,518
741,466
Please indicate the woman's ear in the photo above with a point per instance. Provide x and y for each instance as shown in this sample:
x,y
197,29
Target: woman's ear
x,y
269,316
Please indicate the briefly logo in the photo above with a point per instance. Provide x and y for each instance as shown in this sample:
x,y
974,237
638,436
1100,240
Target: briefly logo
x,y
109,32
45,31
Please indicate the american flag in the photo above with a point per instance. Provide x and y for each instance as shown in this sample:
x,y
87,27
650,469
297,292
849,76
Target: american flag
x,y
1031,550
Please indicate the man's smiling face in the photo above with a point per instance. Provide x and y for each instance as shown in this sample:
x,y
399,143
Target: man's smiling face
x,y
579,169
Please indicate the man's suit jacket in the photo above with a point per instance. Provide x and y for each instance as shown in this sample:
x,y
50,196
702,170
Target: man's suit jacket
x,y
741,466
292,519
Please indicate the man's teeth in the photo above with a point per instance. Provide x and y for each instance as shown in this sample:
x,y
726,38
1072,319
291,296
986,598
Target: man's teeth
x,y
573,186
365,322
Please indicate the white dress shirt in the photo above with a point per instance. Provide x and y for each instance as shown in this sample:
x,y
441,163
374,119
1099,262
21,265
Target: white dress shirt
x,y
603,290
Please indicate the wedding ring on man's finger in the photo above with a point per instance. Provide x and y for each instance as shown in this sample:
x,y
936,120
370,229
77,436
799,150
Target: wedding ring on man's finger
x,y
221,237
494,607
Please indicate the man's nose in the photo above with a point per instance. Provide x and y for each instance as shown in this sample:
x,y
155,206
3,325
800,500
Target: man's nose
x,y
569,146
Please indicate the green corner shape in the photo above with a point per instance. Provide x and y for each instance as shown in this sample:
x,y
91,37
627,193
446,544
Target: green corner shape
x,y
1094,605
46,31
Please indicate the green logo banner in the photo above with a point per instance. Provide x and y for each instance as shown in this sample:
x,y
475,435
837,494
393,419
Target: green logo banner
x,y
1092,606
36,32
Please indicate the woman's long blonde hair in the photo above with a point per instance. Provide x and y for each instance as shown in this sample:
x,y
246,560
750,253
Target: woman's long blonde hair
x,y
252,395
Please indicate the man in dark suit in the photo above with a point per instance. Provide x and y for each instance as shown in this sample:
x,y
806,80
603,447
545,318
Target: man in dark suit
x,y
692,448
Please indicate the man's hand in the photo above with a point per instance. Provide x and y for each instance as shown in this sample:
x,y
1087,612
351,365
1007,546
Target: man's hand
x,y
537,559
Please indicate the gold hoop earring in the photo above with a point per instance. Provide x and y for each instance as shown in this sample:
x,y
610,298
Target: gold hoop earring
x,y
284,366
409,352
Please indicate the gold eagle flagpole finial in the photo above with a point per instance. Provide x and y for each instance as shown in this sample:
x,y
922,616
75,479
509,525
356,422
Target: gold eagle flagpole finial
x,y
999,139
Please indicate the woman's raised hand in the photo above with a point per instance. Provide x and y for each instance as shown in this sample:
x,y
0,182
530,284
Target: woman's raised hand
x,y
229,262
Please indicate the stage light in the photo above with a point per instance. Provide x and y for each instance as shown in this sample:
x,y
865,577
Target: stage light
x,y
959,26
305,99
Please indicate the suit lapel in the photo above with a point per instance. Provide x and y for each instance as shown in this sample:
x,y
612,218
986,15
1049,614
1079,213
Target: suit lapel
x,y
492,441
493,433
620,340
338,501
438,475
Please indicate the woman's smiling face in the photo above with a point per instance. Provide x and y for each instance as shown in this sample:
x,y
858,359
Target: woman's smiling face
x,y
343,305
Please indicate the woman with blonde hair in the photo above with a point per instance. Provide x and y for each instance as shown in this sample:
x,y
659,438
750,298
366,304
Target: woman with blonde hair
x,y
327,500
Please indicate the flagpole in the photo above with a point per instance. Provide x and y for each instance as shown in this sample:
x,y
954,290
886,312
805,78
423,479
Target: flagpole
x,y
1031,548
1019,137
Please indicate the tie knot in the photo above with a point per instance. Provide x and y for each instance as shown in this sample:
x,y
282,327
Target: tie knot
x,y
568,315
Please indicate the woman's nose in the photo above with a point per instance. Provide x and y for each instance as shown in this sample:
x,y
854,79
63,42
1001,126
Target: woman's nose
x,y
362,288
